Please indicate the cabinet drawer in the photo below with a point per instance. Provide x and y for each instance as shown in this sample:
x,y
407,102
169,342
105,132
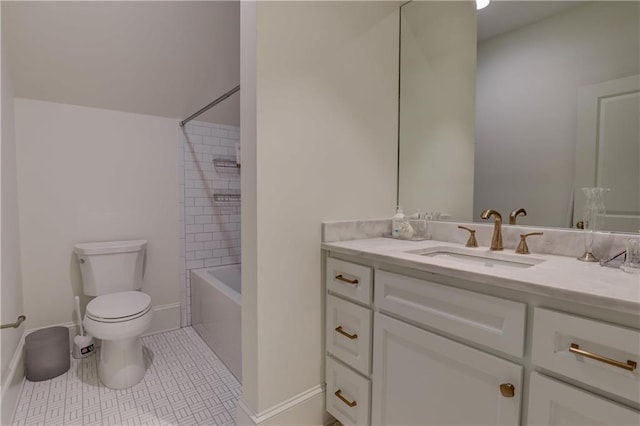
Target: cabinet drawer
x,y
487,320
350,280
348,394
349,333
600,344
554,403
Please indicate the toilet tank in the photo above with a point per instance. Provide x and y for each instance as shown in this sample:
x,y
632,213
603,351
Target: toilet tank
x,y
111,266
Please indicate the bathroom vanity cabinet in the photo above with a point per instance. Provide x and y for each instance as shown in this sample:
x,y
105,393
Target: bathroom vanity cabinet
x,y
408,346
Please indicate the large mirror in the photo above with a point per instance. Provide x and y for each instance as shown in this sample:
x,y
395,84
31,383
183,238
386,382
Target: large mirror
x,y
519,105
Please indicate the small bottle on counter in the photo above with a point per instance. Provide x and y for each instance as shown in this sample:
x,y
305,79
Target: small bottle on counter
x,y
396,222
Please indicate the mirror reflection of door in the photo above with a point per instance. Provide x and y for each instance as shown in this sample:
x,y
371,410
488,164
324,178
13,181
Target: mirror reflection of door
x,y
608,150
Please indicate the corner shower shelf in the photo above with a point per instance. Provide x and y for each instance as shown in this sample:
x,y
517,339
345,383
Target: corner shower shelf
x,y
224,162
227,198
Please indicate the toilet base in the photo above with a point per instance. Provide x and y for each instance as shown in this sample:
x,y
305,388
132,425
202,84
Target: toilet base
x,y
121,363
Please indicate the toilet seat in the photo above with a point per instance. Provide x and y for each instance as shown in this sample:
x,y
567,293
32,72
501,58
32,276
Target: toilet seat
x,y
119,307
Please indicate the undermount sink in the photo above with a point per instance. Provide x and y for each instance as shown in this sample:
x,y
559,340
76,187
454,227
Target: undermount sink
x,y
481,257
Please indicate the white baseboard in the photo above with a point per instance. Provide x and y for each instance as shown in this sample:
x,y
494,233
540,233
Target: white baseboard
x,y
165,318
306,408
12,385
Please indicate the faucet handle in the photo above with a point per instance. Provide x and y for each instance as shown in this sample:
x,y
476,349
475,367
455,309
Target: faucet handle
x,y
523,248
471,242
514,214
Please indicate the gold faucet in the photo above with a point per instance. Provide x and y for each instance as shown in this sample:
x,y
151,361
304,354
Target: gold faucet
x,y
471,242
523,248
496,240
514,214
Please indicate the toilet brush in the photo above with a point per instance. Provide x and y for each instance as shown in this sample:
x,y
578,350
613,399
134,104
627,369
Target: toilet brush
x,y
82,345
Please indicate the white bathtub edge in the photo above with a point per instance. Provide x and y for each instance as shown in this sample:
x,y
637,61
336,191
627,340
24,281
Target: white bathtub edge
x,y
306,408
216,316
203,274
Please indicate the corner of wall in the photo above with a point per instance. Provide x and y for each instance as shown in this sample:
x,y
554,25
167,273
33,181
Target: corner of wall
x,y
11,288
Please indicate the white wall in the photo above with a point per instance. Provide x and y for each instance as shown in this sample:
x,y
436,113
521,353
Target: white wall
x,y
87,174
163,58
10,286
437,91
527,97
321,144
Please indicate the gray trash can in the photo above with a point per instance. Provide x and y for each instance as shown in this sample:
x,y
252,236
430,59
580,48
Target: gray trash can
x,y
46,353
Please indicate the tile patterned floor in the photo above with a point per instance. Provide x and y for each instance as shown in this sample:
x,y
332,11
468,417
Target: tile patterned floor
x,y
185,384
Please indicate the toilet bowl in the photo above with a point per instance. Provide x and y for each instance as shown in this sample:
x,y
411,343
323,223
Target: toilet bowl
x,y
118,319
112,272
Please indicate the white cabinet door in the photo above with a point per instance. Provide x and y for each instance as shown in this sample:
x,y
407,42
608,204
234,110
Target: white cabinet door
x,y
552,403
420,378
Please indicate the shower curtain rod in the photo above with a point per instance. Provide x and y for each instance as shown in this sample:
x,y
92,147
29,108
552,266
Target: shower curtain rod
x,y
209,106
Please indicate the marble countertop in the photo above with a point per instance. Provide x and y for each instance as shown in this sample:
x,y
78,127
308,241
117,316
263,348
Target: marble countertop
x,y
558,276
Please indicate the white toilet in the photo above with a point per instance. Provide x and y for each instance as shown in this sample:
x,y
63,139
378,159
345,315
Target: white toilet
x,y
119,314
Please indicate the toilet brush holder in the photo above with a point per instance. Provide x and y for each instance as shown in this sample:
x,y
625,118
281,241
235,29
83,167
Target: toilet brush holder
x,y
82,345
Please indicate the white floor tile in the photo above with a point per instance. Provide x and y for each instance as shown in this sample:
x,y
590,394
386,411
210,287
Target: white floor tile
x,y
185,384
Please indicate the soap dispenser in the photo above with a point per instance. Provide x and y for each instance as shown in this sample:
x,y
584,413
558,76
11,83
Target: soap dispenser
x,y
396,222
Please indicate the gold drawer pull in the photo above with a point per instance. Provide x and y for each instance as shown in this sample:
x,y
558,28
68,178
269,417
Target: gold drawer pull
x,y
346,280
351,404
630,365
345,334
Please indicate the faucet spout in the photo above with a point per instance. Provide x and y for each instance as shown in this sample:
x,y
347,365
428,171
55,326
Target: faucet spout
x,y
496,239
514,214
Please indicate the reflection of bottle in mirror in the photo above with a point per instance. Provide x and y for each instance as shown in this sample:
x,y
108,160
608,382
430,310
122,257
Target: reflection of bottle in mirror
x,y
406,230
632,259
396,221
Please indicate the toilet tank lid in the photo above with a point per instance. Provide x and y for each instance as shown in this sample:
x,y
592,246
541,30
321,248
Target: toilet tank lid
x,y
109,247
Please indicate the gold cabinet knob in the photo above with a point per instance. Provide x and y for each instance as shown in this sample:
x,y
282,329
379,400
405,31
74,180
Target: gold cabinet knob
x,y
507,390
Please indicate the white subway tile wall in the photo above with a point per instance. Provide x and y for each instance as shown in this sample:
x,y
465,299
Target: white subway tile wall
x,y
209,228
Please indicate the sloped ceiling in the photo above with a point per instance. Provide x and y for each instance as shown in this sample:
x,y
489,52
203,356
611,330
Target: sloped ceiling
x,y
503,16
161,58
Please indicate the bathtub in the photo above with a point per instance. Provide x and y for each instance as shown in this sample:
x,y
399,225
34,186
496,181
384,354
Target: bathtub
x,y
215,312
